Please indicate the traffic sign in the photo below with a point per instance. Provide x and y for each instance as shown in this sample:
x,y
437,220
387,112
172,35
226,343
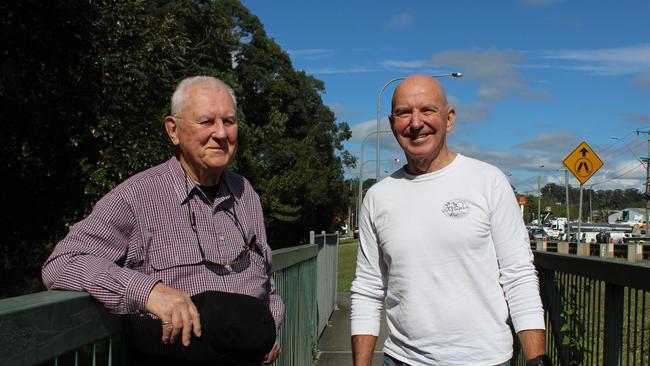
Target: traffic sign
x,y
583,162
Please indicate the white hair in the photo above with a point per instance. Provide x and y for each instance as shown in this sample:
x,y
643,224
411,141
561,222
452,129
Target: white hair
x,y
179,98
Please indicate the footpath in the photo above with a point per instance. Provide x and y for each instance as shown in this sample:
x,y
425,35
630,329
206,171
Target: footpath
x,y
334,344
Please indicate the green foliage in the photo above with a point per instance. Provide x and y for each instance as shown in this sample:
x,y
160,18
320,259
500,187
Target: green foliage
x,y
573,329
85,86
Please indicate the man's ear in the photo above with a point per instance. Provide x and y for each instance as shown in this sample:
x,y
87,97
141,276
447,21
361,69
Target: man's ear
x,y
171,129
451,119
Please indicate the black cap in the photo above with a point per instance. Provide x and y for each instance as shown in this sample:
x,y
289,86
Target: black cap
x,y
235,328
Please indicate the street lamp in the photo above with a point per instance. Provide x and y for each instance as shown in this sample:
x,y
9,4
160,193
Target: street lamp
x,y
360,194
361,166
539,199
452,74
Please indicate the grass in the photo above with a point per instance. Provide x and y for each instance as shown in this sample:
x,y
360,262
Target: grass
x,y
347,263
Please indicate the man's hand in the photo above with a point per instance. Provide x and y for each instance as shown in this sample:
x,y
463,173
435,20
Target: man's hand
x,y
273,354
176,311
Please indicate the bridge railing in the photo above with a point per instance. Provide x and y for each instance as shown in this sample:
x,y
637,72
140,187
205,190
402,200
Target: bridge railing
x,y
597,310
327,268
70,328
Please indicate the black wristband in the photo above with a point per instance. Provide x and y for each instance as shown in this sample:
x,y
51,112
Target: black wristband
x,y
542,360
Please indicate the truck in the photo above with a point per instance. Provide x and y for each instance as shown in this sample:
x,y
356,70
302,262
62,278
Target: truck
x,y
556,228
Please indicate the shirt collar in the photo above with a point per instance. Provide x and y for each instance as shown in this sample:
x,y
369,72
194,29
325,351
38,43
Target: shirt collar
x,y
185,187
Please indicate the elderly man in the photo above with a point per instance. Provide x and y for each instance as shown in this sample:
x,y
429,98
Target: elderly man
x,y
444,247
185,228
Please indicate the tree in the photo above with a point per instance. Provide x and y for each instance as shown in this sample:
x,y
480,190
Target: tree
x,y
86,85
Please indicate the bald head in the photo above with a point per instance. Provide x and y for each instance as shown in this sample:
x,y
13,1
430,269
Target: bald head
x,y
419,84
420,120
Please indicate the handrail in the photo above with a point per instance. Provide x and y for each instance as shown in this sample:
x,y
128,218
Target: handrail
x,y
595,309
615,272
33,327
40,326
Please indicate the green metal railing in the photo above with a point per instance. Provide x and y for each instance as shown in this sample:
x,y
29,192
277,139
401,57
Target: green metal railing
x,y
597,310
71,328
327,268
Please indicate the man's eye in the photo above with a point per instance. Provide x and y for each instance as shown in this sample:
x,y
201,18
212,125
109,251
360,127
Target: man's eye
x,y
229,121
205,122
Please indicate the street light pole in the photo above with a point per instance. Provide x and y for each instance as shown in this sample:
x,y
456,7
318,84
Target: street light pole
x,y
539,202
360,194
452,74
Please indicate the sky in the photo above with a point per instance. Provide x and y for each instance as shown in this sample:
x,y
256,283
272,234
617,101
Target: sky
x,y
539,77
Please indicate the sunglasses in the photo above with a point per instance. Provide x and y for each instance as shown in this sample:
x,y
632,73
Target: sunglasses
x,y
242,260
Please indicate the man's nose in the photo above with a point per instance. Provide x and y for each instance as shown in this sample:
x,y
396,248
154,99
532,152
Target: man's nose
x,y
416,121
219,130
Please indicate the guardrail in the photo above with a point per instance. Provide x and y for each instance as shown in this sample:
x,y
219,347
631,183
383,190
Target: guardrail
x,y
70,328
596,310
632,249
327,268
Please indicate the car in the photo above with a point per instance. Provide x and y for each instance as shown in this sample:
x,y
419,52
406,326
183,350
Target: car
x,y
534,234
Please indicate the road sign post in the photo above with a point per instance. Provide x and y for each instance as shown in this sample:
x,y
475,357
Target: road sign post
x,y
583,163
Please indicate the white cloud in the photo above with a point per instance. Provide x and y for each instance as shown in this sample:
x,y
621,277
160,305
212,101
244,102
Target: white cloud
x,y
494,70
639,118
341,112
362,129
331,70
400,20
526,166
408,65
475,112
556,141
312,54
605,61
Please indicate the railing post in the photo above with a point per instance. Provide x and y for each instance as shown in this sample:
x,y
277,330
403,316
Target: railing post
x,y
563,247
584,249
613,337
552,300
634,252
607,250
541,244
312,237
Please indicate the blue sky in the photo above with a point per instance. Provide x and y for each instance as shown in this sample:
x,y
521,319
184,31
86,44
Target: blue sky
x,y
540,76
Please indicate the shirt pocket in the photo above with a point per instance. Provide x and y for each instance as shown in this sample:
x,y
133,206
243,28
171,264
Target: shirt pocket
x,y
170,256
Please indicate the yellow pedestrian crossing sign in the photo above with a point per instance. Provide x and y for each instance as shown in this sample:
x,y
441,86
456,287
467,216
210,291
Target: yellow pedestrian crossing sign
x,y
583,162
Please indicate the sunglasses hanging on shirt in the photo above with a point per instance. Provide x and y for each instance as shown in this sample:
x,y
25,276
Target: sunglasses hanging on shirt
x,y
242,260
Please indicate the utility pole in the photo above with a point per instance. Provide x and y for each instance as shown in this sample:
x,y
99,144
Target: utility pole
x,y
566,191
539,202
647,181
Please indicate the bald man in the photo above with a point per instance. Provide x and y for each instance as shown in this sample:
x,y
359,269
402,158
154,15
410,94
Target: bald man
x,y
444,248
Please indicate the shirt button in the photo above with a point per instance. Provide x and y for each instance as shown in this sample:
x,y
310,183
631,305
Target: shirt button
x,y
221,237
177,259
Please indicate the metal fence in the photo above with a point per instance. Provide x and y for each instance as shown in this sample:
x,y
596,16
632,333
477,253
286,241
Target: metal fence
x,y
597,310
327,268
71,328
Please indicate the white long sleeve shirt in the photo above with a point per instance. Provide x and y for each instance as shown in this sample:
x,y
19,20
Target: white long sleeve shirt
x,y
448,254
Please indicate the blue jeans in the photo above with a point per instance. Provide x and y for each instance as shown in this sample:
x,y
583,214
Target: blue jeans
x,y
390,361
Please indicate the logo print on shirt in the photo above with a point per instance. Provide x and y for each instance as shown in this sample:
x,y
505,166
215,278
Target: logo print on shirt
x,y
455,209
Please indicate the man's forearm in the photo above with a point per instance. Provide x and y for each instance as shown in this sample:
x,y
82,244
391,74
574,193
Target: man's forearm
x,y
363,346
533,342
